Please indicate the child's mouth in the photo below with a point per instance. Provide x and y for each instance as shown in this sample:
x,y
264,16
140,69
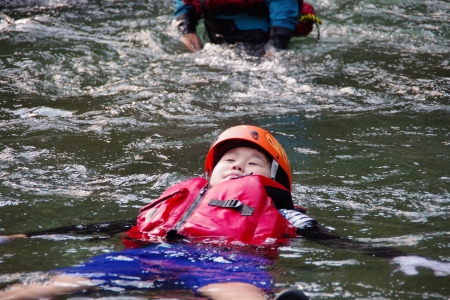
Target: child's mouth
x,y
235,176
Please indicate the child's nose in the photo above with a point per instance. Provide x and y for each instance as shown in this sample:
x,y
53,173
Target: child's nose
x,y
237,166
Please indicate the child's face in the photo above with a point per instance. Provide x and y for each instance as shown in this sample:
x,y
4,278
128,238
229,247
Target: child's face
x,y
239,162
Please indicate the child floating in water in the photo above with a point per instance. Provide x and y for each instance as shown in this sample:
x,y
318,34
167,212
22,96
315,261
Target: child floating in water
x,y
245,199
194,235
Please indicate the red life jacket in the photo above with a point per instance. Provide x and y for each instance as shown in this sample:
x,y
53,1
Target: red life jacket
x,y
234,210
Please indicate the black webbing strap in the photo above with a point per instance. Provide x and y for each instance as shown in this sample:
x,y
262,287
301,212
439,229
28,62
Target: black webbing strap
x,y
109,228
235,204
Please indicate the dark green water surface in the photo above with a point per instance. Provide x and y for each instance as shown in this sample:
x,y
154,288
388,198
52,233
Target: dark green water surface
x,y
101,109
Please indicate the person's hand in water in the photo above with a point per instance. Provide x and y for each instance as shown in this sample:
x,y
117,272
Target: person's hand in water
x,y
192,42
7,238
246,291
56,286
232,291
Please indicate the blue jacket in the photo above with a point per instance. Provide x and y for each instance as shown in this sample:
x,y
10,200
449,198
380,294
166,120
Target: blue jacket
x,y
275,22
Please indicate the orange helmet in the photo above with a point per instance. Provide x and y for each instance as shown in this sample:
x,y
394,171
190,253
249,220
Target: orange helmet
x,y
251,135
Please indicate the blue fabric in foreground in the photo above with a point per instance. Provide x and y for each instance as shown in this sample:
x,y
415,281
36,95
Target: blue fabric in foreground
x,y
173,266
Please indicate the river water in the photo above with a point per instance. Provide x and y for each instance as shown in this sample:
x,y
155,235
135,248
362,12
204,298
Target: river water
x,y
101,109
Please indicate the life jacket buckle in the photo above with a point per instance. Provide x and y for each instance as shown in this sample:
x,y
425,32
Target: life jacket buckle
x,y
244,209
232,203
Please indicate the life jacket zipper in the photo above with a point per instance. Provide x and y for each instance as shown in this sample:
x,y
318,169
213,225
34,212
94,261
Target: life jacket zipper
x,y
190,210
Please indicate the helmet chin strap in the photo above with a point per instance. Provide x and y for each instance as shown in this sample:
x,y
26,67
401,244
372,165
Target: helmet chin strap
x,y
273,169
